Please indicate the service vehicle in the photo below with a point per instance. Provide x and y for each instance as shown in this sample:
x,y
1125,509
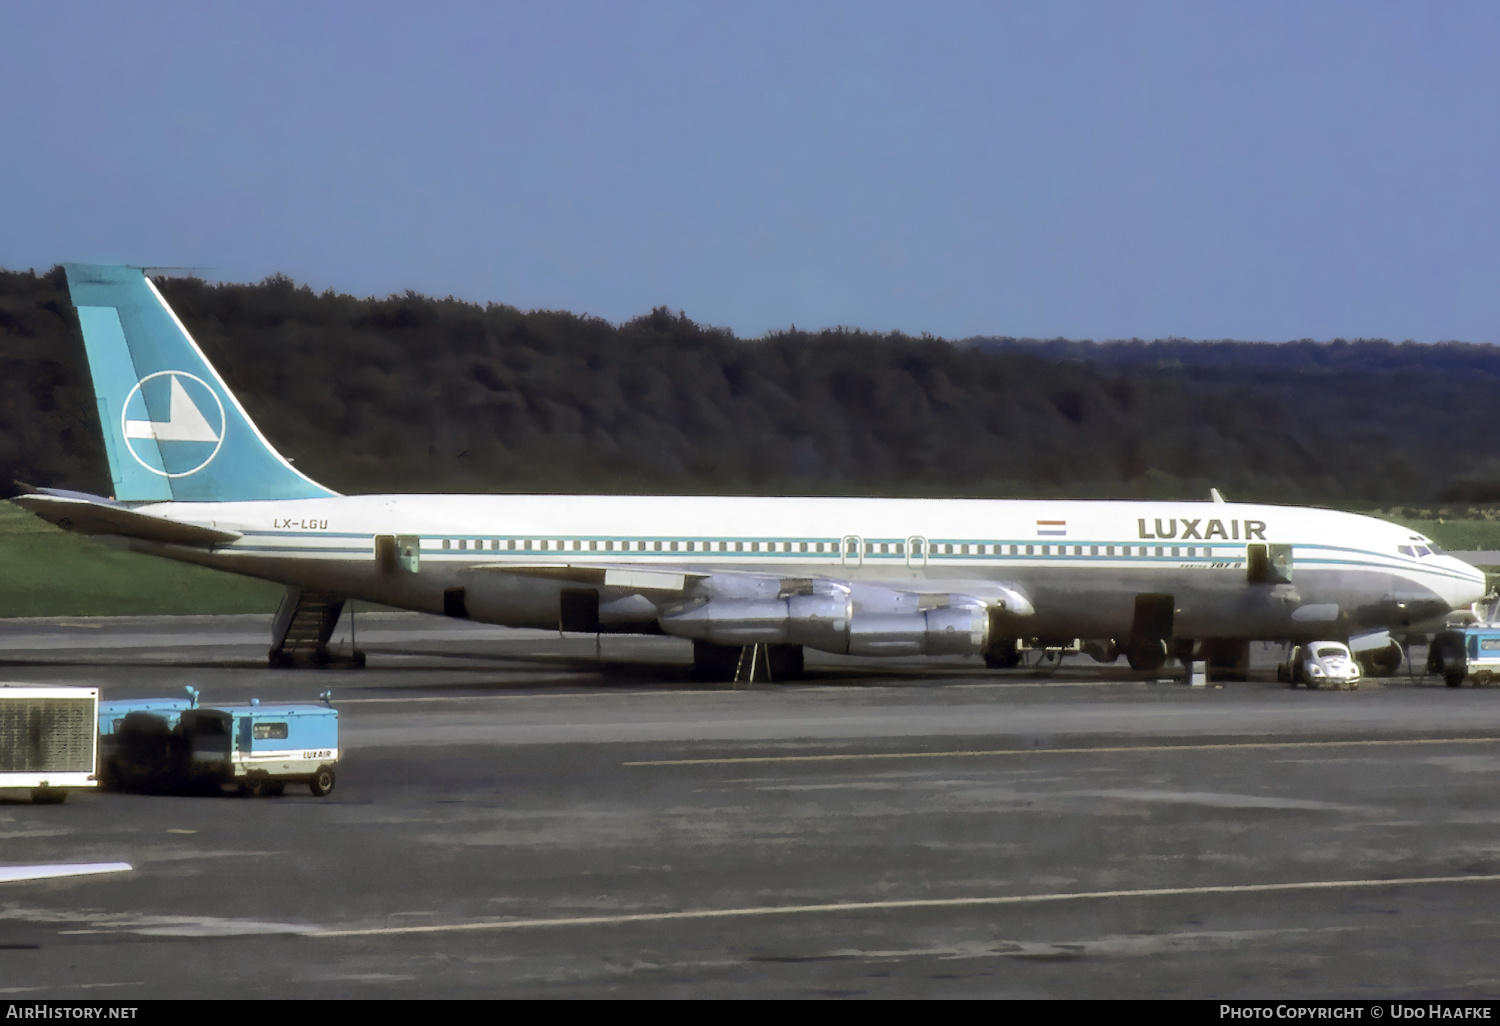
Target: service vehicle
x,y
1466,653
47,741
266,747
174,744
141,747
1320,663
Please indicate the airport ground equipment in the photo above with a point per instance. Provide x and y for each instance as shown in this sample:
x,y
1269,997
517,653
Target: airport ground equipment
x,y
302,627
1320,664
47,741
175,744
141,747
1466,653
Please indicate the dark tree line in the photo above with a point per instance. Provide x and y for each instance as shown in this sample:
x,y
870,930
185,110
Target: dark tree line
x,y
410,393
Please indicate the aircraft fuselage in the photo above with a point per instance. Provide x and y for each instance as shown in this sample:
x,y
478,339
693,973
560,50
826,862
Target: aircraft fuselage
x,y
1081,564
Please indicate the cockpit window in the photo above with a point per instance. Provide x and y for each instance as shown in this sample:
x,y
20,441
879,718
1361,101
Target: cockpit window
x,y
1423,550
1405,550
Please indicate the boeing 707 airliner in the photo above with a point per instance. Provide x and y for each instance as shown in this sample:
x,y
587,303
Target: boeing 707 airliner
x,y
195,480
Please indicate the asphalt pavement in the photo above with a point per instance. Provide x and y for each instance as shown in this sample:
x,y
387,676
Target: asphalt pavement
x,y
522,814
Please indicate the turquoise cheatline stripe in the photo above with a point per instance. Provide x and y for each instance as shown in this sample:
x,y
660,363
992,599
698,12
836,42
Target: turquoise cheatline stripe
x,y
455,555
1371,561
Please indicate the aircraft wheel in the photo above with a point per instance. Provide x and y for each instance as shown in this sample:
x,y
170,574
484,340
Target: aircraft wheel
x,y
321,782
1147,655
714,663
1182,651
1453,679
1383,662
1004,659
786,662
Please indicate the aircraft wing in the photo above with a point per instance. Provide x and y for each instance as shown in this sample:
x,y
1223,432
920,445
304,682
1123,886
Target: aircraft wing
x,y
632,578
995,594
667,581
96,515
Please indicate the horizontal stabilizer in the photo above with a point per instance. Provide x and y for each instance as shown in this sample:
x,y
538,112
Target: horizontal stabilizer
x,y
87,517
63,493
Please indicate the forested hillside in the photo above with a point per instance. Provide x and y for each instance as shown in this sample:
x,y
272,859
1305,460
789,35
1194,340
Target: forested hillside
x,y
409,393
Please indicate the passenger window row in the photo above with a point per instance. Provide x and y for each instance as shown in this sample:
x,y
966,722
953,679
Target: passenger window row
x,y
614,545
828,548
1004,549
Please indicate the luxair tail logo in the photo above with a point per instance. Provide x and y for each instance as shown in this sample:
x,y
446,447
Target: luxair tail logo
x,y
189,436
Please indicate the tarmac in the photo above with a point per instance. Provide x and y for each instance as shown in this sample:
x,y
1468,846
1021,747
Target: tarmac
x,y
520,814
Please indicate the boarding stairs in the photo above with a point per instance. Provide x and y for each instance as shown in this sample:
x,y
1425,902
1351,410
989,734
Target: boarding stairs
x,y
303,625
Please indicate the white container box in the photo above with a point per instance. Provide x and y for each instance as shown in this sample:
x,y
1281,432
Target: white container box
x,y
48,739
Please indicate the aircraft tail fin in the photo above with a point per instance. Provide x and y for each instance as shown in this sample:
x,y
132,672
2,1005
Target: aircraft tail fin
x,y
172,428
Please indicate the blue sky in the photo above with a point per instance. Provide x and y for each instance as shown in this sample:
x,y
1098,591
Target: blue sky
x,y
1094,170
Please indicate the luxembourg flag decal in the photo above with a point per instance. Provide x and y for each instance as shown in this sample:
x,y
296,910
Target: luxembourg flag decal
x,y
1052,528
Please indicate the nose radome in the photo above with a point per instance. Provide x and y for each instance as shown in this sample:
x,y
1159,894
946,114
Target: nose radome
x,y
1466,592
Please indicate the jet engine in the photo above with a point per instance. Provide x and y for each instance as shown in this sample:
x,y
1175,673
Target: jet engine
x,y
817,619
946,630
823,615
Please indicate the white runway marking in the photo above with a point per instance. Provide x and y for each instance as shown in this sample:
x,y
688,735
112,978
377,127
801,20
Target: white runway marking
x,y
872,906
1215,799
53,988
538,676
12,874
675,693
978,753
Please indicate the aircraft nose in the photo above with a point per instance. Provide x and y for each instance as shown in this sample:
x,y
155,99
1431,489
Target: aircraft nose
x,y
1471,588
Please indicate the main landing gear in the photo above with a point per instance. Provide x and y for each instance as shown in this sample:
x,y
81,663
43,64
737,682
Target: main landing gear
x,y
746,664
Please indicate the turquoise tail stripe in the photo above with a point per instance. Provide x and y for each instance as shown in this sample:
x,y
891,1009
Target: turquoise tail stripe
x,y
172,429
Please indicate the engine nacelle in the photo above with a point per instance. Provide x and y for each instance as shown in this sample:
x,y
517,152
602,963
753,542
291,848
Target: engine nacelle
x,y
948,630
826,620
817,620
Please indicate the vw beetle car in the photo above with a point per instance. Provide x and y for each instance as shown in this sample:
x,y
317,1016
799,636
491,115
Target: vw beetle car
x,y
1321,663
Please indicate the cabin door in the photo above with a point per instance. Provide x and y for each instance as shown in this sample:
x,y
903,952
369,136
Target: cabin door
x,y
852,549
916,551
